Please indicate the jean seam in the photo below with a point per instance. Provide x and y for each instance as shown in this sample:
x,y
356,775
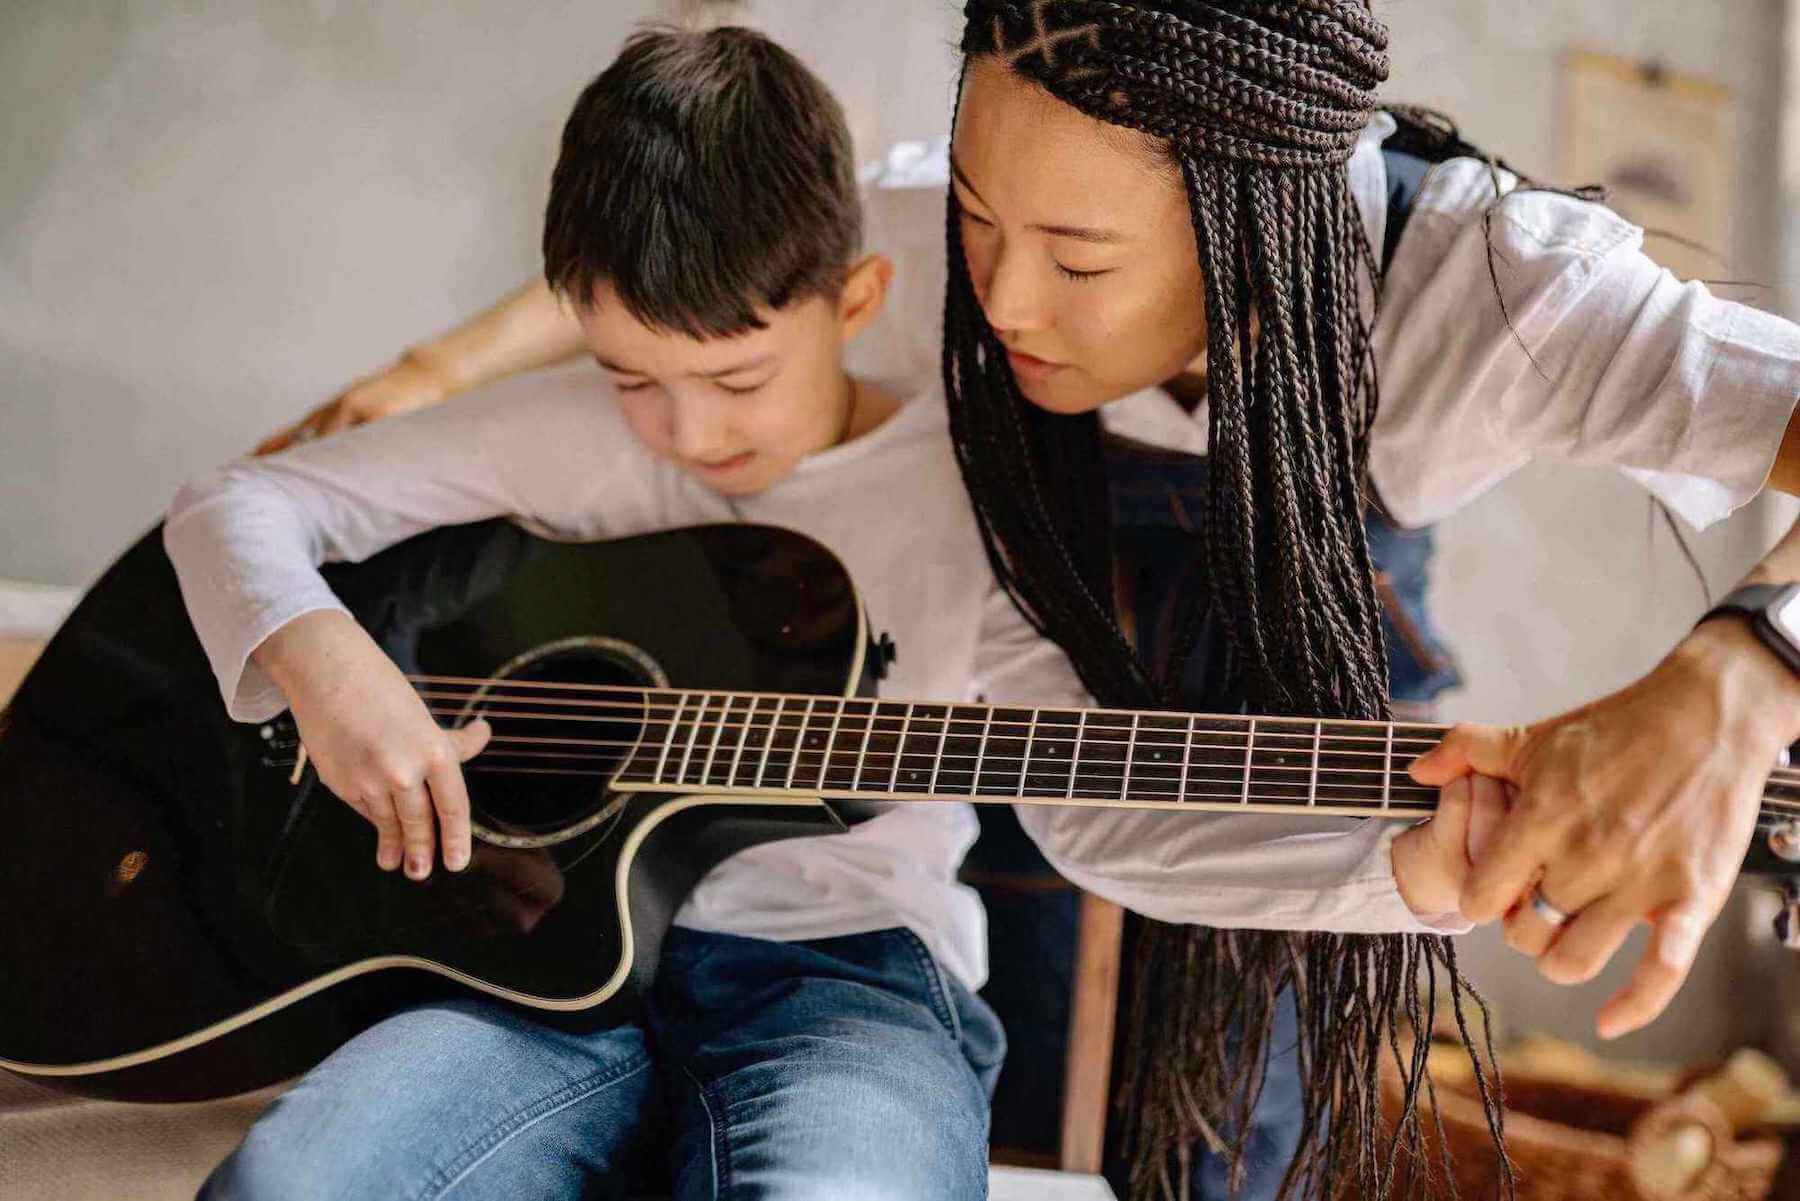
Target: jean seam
x,y
449,1177
716,1140
934,983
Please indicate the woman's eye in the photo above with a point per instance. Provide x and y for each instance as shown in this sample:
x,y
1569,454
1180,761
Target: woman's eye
x,y
633,386
742,389
1071,273
973,219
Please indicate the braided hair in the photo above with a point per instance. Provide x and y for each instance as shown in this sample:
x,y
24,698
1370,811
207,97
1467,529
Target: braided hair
x,y
1258,104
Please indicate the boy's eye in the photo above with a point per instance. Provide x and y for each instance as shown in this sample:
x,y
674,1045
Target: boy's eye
x,y
968,216
742,389
636,385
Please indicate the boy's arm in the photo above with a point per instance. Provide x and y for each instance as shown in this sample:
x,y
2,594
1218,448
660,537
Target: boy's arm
x,y
1226,871
526,330
247,539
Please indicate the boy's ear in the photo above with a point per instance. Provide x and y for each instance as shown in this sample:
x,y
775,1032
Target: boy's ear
x,y
865,292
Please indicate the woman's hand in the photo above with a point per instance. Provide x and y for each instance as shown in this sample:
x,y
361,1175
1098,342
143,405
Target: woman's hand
x,y
372,740
410,383
1636,808
1433,859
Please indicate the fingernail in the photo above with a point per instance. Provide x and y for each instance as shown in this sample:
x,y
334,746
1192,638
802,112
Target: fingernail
x,y
456,860
416,867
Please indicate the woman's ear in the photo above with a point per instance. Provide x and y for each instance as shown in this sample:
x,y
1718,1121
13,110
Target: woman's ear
x,y
865,292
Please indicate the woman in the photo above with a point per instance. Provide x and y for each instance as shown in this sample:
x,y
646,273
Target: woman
x,y
1179,193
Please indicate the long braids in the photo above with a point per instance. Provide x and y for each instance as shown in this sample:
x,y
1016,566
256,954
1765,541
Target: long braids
x,y
1260,103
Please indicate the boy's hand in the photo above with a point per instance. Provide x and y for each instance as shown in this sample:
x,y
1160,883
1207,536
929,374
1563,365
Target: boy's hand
x,y
372,740
409,384
1432,860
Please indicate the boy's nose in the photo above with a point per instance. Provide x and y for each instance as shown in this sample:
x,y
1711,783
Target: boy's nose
x,y
697,431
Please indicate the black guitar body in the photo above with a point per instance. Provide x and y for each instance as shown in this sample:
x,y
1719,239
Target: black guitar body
x,y
179,921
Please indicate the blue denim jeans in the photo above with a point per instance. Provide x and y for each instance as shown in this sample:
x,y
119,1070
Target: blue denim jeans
x,y
844,1068
1274,1133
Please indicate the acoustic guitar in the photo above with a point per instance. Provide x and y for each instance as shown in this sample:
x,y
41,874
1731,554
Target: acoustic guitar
x,y
184,914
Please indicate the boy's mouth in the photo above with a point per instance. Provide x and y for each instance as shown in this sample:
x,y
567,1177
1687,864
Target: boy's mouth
x,y
723,466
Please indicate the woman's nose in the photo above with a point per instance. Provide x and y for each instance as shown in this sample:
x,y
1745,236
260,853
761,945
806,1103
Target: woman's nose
x,y
1010,294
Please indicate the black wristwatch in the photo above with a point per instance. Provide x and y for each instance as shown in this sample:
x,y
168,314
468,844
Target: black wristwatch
x,y
1774,613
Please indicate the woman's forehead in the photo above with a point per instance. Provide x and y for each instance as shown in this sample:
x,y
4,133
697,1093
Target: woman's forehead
x,y
1034,159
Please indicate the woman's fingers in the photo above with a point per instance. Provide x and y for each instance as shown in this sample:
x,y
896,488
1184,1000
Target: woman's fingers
x,y
1486,750
1674,942
1591,939
1517,852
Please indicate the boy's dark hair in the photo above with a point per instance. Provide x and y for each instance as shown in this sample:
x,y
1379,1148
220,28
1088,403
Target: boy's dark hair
x,y
704,176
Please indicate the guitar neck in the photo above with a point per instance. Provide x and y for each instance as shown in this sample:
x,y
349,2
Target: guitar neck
x,y
867,750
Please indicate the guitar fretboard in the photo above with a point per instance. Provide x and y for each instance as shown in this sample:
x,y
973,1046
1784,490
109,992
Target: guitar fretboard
x,y
852,748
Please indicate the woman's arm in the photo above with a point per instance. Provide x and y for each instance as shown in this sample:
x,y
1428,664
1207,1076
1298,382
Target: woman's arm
x,y
1266,872
527,330
1637,807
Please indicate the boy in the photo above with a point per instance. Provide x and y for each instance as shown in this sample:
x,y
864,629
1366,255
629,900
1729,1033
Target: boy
x,y
813,1031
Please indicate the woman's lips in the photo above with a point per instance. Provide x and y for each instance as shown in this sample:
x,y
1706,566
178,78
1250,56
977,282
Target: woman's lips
x,y
1030,367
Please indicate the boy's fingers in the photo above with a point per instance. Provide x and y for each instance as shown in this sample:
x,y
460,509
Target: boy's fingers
x,y
389,844
418,828
471,740
450,798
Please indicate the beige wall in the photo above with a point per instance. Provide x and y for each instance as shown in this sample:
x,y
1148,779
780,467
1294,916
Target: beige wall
x,y
1554,587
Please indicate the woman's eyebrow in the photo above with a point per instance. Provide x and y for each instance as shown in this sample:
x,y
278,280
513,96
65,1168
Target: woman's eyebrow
x,y
1081,233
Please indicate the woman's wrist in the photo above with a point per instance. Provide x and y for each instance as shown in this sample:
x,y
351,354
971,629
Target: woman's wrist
x,y
1753,684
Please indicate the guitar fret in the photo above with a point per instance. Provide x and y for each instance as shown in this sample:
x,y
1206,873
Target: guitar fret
x,y
862,753
1075,758
687,754
1387,769
1249,751
718,732
1130,754
943,737
1187,754
762,767
799,741
987,724
1312,788
830,745
1025,759
900,750
663,759
743,739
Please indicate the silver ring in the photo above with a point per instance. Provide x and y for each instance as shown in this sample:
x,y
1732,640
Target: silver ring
x,y
1541,906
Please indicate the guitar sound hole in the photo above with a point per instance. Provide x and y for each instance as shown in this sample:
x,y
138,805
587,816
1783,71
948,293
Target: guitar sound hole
x,y
554,749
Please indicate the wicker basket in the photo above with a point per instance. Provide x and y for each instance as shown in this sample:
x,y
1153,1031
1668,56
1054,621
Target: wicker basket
x,y
1569,1142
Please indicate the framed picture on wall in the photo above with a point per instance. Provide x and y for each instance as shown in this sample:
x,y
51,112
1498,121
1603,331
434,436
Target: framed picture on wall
x,y
1665,147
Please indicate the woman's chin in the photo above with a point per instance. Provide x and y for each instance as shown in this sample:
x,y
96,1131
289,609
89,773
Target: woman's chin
x,y
1062,397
